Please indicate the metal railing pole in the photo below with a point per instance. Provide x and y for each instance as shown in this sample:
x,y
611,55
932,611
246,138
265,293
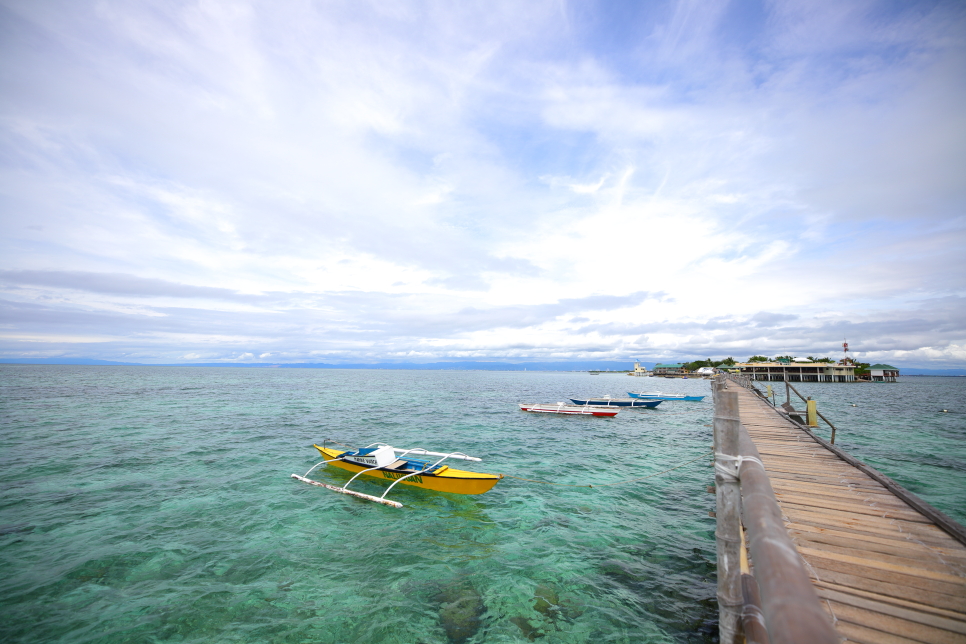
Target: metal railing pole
x,y
728,532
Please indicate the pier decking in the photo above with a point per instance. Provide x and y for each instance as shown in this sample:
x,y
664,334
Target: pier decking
x,y
883,571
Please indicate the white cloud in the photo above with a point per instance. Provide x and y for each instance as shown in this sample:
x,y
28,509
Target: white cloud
x,y
352,179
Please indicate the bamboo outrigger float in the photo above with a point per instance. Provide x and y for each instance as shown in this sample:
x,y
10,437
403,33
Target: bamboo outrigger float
x,y
387,462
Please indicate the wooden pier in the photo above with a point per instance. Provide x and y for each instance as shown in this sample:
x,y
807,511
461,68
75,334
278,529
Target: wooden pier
x,y
882,569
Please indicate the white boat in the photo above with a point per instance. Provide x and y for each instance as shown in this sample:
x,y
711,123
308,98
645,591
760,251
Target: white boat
x,y
575,410
657,395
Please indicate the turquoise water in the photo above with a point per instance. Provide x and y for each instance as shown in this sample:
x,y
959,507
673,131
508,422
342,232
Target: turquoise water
x,y
154,504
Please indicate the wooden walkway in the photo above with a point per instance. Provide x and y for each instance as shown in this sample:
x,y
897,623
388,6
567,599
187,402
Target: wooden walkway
x,y
884,572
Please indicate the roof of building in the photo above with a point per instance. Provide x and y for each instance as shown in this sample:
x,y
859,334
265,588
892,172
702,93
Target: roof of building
x,y
884,367
796,364
675,365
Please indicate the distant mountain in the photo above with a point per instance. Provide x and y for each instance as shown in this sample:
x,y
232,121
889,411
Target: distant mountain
x,y
80,361
466,365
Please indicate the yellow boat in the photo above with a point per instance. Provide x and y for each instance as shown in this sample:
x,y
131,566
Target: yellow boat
x,y
402,466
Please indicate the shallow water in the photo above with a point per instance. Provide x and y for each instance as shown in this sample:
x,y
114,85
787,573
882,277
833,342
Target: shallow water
x,y
154,504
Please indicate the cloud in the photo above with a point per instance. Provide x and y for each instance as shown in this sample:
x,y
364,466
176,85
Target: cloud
x,y
544,179
765,319
114,284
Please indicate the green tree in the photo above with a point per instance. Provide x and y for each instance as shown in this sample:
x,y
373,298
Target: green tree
x,y
826,359
759,359
697,364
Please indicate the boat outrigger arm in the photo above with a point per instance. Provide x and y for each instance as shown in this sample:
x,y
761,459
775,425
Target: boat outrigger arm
x,y
382,499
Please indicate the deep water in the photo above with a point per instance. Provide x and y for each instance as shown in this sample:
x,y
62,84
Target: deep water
x,y
154,504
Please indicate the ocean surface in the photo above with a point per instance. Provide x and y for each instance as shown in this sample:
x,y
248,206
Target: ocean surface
x,y
154,504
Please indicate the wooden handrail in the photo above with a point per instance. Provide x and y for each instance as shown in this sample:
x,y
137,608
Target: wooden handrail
x,y
792,611
728,503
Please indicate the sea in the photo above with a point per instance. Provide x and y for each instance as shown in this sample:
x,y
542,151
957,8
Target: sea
x,y
155,504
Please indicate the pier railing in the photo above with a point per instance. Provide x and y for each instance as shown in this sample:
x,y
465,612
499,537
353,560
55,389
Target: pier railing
x,y
808,424
808,418
772,599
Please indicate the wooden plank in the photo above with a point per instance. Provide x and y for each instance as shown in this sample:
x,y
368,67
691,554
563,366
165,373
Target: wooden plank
x,y
816,477
866,522
841,481
866,635
854,508
839,493
917,529
893,610
883,565
868,526
900,581
834,488
901,627
918,559
802,469
899,541
925,608
933,597
799,456
903,548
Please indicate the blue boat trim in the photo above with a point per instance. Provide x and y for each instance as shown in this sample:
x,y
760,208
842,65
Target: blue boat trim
x,y
617,402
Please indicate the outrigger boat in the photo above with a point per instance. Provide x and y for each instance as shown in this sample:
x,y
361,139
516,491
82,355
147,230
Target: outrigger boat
x,y
576,410
399,466
657,395
607,401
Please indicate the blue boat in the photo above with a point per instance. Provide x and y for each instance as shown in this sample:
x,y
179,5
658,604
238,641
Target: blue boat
x,y
617,402
656,395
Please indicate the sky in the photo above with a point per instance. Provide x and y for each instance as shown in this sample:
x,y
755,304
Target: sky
x,y
357,181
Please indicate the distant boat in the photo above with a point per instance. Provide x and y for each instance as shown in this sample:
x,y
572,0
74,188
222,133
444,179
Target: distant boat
x,y
607,401
574,410
657,395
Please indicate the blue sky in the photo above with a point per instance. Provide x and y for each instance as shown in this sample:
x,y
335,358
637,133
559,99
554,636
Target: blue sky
x,y
417,181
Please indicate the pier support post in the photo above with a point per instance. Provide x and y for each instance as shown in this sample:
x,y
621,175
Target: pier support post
x,y
811,412
728,531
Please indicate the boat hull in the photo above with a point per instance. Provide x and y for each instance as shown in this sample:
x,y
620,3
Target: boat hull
x,y
619,402
570,410
450,480
659,396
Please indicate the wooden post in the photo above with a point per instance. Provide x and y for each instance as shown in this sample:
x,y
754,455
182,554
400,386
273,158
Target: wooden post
x,y
752,619
728,533
811,412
